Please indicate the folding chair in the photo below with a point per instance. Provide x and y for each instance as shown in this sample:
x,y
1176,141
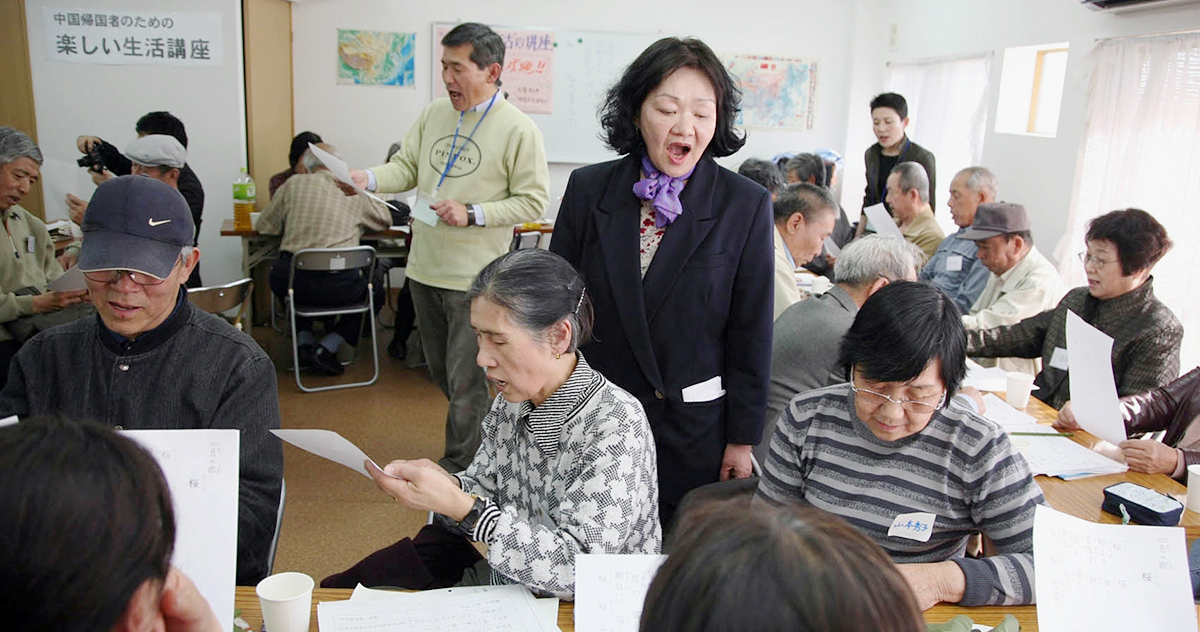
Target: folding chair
x,y
218,299
331,260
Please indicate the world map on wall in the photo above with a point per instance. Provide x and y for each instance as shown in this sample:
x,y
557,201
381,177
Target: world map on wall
x,y
778,92
376,58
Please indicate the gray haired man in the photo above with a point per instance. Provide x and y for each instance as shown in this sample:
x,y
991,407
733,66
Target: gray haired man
x,y
807,336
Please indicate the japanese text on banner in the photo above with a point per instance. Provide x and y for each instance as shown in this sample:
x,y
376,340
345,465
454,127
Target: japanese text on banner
x,y
93,36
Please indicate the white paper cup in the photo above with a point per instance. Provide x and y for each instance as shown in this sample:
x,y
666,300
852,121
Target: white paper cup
x,y
254,220
1019,386
286,600
1193,493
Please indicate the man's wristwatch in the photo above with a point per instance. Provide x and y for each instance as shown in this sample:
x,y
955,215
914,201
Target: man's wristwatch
x,y
467,524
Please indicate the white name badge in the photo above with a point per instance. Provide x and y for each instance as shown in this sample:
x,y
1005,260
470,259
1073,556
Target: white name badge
x,y
954,263
914,526
1059,359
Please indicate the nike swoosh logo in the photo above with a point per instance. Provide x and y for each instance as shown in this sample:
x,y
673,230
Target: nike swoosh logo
x,y
154,223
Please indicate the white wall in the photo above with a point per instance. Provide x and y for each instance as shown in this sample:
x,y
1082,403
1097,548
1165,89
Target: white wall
x,y
74,99
363,120
1038,172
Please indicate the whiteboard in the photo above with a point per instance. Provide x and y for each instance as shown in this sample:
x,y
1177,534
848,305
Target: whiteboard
x,y
586,64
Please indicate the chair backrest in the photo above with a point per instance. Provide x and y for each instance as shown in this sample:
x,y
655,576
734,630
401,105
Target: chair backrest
x,y
524,239
218,299
333,259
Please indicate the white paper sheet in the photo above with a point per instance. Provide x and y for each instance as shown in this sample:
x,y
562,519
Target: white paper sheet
x,y
340,170
201,468
329,445
421,211
1093,389
1000,412
831,248
985,378
70,281
1055,456
882,222
497,608
1102,577
546,608
610,590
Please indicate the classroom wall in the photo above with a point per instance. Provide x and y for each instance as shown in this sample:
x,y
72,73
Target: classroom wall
x,y
105,101
1038,172
363,120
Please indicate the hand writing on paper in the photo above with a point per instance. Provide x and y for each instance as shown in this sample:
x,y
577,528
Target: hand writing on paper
x,y
359,177
423,485
933,583
1066,418
183,608
1151,457
450,212
736,463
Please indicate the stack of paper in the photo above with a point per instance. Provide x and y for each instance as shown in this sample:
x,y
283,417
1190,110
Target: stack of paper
x,y
448,610
1054,455
985,379
1101,577
1000,412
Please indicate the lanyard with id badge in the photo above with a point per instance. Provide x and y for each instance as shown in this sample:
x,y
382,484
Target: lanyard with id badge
x,y
421,209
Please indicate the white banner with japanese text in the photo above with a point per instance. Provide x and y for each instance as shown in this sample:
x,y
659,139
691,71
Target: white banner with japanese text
x,y
92,36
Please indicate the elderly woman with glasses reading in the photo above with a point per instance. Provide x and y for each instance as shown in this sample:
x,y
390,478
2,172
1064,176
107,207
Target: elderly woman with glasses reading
x,y
1122,248
897,457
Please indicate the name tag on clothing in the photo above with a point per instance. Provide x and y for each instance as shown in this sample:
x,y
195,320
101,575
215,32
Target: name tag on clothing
x,y
1059,359
954,263
705,391
29,244
914,526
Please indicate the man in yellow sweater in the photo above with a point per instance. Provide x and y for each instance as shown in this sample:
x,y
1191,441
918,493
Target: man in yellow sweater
x,y
482,163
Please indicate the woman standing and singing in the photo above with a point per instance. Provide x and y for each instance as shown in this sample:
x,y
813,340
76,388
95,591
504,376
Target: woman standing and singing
x,y
677,254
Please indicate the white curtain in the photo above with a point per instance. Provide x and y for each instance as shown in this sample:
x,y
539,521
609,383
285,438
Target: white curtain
x,y
1141,148
948,108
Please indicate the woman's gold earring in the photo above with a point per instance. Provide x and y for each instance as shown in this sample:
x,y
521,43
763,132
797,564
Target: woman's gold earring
x,y
557,356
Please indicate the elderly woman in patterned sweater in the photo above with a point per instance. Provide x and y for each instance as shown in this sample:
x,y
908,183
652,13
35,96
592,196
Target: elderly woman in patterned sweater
x,y
567,462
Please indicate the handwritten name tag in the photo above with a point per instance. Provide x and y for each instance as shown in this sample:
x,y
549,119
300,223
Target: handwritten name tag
x,y
914,526
1059,359
954,263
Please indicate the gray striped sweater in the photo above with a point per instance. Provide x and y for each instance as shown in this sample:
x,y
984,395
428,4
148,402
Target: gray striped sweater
x,y
961,468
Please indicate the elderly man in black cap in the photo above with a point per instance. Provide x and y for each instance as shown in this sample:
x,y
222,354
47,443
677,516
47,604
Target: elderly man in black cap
x,y
1023,282
150,360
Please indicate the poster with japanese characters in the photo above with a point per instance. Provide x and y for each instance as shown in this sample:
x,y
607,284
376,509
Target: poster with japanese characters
x,y
527,77
96,36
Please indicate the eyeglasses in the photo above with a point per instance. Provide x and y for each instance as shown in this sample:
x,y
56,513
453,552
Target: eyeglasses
x,y
140,278
1088,260
910,405
113,276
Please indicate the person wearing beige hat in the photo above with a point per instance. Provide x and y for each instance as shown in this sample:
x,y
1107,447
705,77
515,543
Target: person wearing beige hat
x,y
1023,282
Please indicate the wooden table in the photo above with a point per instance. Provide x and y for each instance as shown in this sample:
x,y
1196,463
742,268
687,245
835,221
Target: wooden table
x,y
246,601
1082,498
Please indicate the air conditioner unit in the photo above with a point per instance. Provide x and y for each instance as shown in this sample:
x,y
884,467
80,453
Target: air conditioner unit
x,y
1122,6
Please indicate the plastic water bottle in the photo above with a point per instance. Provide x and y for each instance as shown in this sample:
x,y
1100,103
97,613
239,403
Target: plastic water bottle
x,y
243,200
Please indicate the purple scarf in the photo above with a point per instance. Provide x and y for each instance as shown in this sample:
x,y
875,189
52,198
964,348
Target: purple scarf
x,y
662,190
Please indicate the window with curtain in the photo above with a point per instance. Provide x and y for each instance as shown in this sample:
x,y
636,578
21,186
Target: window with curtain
x,y
1141,148
948,110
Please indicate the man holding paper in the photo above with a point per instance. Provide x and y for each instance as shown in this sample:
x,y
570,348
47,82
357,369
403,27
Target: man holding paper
x,y
479,165
310,210
153,361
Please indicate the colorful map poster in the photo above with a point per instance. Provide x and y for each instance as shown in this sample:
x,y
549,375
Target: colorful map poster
x,y
777,92
527,77
376,58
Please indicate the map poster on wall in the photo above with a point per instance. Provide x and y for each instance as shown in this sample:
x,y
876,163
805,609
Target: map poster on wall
x,y
777,92
376,58
101,36
527,77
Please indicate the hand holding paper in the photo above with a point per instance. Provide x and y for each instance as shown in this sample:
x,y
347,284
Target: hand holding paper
x,y
881,221
1093,388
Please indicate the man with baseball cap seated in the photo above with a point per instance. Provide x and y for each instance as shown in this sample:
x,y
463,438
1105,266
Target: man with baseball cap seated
x,y
149,359
157,156
1022,281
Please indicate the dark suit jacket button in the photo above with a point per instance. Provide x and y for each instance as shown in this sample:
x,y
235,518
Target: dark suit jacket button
x,y
658,394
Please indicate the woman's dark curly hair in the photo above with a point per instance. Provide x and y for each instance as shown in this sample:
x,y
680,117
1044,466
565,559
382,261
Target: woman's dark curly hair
x,y
623,104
